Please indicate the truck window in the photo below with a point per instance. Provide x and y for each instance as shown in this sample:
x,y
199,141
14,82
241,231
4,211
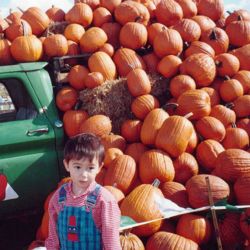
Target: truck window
x,y
15,103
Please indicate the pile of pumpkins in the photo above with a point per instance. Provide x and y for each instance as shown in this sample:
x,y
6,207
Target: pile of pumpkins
x,y
202,131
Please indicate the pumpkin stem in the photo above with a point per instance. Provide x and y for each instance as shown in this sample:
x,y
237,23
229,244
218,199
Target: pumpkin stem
x,y
218,63
186,45
239,18
233,125
229,105
156,182
25,29
213,35
163,28
229,12
188,115
20,9
227,77
78,104
170,105
126,232
138,18
1,36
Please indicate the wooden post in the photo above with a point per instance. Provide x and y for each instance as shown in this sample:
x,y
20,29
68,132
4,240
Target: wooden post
x,y
215,222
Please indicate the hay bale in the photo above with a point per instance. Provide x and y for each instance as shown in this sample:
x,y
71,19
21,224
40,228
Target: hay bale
x,y
114,100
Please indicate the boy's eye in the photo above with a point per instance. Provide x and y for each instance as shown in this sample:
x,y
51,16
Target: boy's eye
x,y
91,168
77,167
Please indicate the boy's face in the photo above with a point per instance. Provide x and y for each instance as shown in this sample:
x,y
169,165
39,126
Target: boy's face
x,y
82,173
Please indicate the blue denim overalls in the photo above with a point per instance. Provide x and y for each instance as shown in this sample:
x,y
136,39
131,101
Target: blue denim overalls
x,y
76,227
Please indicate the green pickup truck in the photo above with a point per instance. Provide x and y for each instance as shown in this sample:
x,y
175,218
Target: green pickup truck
x,y
31,138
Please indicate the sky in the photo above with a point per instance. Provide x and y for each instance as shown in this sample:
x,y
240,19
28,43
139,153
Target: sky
x,y
5,5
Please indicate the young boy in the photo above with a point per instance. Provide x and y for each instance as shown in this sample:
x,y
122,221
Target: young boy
x,y
82,214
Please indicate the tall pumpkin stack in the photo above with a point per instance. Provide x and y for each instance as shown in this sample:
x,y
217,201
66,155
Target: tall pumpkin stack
x,y
200,129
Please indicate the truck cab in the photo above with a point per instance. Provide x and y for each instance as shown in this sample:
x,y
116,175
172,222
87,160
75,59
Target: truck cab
x,y
31,138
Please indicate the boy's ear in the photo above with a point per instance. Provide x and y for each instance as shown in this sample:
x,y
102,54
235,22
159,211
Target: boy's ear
x,y
66,165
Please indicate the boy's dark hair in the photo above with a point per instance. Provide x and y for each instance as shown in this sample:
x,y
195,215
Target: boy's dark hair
x,y
84,146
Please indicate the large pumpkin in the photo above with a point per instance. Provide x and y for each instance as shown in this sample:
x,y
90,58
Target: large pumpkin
x,y
197,190
169,140
140,206
5,53
241,189
99,125
121,172
170,241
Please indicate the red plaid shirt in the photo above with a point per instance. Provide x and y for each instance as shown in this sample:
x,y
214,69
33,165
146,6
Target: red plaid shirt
x,y
106,215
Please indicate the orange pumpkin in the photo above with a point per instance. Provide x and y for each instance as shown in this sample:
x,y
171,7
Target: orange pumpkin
x,y
55,45
121,173
189,8
101,15
77,76
199,47
74,32
130,241
110,155
241,106
72,120
241,189
169,66
66,98
97,124
5,53
55,14
131,129
205,22
93,80
117,193
154,29
110,4
113,141
112,30
135,150
243,76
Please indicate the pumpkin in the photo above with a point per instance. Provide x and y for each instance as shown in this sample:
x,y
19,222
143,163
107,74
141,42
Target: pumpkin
x,y
14,15
189,8
227,64
97,124
210,128
245,222
110,155
77,76
237,15
170,141
26,49
151,61
241,189
140,205
167,42
236,138
93,39
181,83
66,98
130,241
143,104
185,166
110,4
196,101
192,143
213,94
102,62
55,45
55,14
230,233
138,82
232,163
175,192
80,13
101,15
151,125
135,150
189,30
92,3
170,241
129,10
107,48
207,152
205,22
197,189
74,32
72,120
133,35
5,53
131,129
169,66
168,12
112,31
113,141
241,106
154,29
37,19
217,38
93,80
117,193
127,59
121,172
224,114
154,164
243,76
194,227
242,28
200,67
17,28
199,47
100,176
73,50
244,123
243,54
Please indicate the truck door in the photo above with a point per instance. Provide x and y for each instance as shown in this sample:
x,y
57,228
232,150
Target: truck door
x,y
28,157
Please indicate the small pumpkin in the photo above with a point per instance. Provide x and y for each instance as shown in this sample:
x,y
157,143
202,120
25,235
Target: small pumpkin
x,y
110,155
77,76
74,32
113,141
169,66
66,98
55,45
55,14
131,129
130,241
101,15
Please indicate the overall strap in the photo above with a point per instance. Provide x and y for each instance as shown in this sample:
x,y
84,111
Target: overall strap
x,y
92,197
62,194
